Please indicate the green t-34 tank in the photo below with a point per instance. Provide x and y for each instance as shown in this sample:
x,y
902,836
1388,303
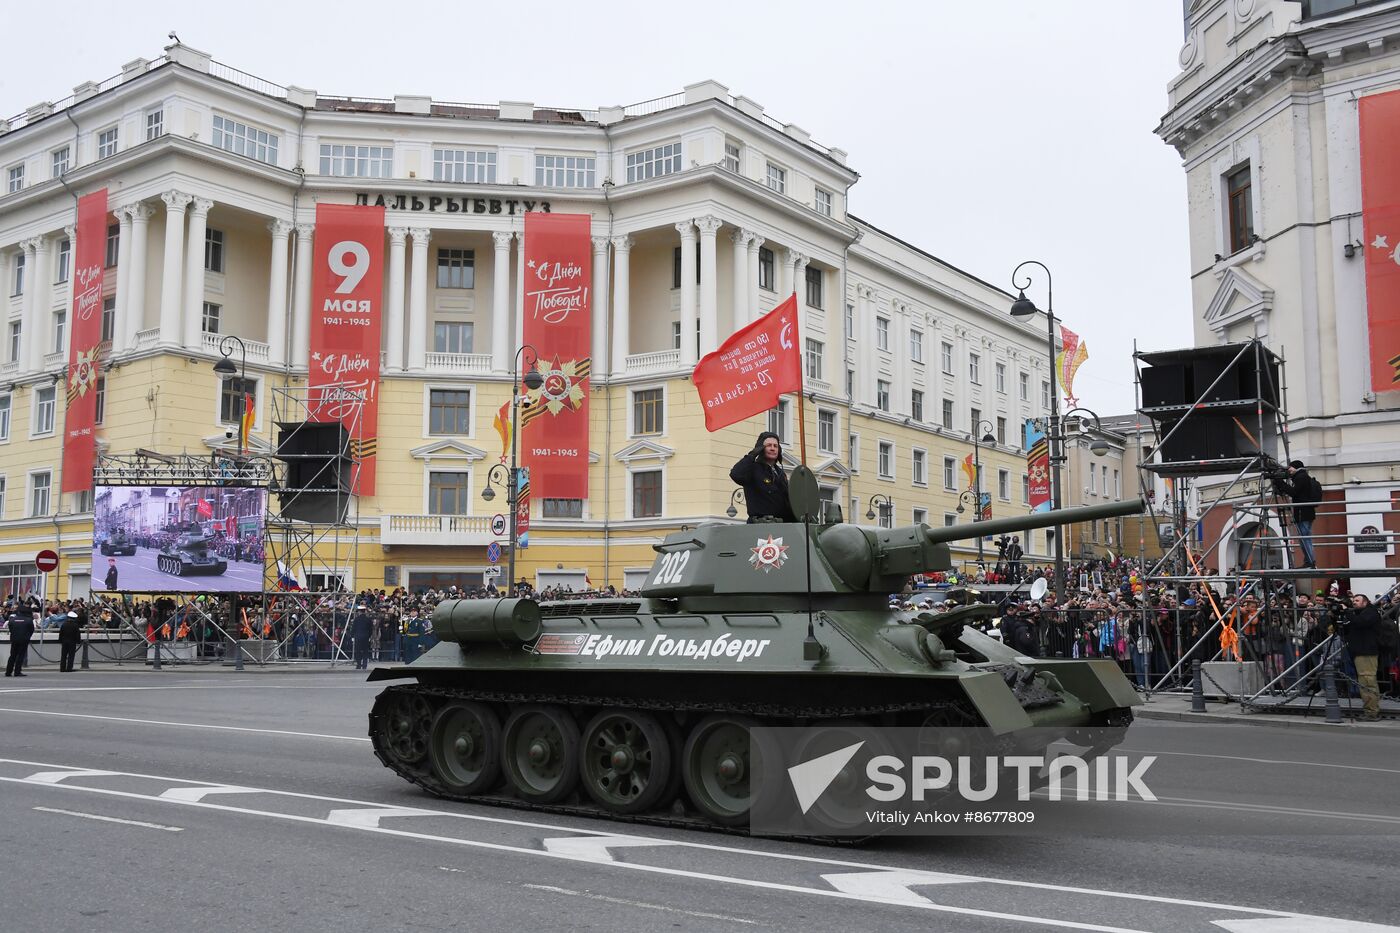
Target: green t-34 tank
x,y
641,708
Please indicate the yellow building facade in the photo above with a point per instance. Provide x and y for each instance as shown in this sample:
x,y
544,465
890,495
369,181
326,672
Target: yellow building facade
x,y
706,211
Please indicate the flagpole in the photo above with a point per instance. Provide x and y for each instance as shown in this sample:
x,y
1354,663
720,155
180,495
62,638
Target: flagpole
x,y
801,401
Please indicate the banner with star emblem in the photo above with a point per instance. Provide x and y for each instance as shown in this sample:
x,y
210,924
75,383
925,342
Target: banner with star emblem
x,y
1038,467
347,291
558,326
84,365
1380,218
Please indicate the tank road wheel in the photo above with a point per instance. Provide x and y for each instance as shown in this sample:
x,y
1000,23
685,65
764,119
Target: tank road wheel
x,y
626,762
402,721
464,746
716,768
539,753
844,803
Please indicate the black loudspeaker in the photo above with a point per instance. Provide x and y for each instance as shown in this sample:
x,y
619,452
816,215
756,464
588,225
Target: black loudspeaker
x,y
1212,436
1213,379
309,438
1164,385
318,508
317,487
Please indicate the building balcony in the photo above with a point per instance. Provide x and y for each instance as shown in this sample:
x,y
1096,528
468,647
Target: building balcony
x,y
145,339
209,343
9,367
658,361
442,530
459,364
55,360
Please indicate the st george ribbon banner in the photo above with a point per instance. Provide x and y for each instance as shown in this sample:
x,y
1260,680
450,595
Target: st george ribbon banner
x,y
1038,467
752,369
347,288
1380,212
558,326
80,416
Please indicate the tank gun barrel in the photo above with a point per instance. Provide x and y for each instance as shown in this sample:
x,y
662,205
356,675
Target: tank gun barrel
x,y
1018,523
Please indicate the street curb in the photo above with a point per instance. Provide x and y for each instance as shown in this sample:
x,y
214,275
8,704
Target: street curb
x,y
1385,726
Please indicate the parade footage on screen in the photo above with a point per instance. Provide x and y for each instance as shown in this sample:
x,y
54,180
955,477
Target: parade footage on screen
x,y
161,539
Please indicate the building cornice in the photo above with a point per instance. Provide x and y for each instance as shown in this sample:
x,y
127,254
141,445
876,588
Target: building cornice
x,y
1237,86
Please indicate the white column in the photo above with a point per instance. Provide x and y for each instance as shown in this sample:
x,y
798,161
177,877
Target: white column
x,y
192,312
709,284
622,302
785,279
799,270
123,273
277,293
901,400
301,295
519,294
599,310
418,300
170,292
398,238
754,246
65,298
870,306
134,304
741,239
32,331
687,232
500,303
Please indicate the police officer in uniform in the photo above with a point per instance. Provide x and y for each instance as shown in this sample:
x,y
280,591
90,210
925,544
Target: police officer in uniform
x,y
760,472
70,635
21,631
361,630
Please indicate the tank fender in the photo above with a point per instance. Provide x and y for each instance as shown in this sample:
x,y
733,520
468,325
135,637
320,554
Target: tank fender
x,y
995,701
1097,681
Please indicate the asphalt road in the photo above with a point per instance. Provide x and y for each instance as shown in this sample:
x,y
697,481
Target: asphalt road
x,y
210,800
138,574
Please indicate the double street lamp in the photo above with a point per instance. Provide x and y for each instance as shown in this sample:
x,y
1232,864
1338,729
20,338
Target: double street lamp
x,y
984,429
499,474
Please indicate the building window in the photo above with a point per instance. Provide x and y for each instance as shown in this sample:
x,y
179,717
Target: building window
x,y
850,383
778,420
945,352
210,320
15,178
949,519
815,351
155,124
920,468
822,201
100,400
646,494
949,478
1093,485
1044,394
777,178
1001,431
1117,486
648,411
1237,187
5,417
676,265
464,166
731,156
826,432
947,414
113,250
882,395
815,288
449,411
45,406
2,498
244,140
60,324
213,250
882,333
65,260
1025,386
654,162
886,518
973,427
676,336
765,268
452,336
561,508
352,161
456,268
1105,488
850,321
231,398
884,460
1026,488
916,345
16,341
974,369
916,404
1004,484
565,171
39,488
853,452
921,516
107,142
1001,378
449,493
59,159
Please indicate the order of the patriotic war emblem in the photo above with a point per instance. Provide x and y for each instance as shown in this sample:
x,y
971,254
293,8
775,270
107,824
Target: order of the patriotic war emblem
x,y
769,554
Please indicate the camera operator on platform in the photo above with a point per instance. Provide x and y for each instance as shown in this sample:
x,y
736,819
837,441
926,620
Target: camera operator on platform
x,y
1299,486
760,472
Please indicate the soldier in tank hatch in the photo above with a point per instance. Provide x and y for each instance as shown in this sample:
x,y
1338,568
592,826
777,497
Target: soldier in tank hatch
x,y
760,472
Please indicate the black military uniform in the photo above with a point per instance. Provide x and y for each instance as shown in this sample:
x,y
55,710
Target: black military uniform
x,y
361,630
21,631
765,484
70,635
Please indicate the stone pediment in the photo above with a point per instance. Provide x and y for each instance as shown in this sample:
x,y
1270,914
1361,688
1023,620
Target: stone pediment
x,y
831,468
1239,297
448,450
644,450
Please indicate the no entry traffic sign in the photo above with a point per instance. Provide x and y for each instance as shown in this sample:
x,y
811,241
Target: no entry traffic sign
x,y
46,561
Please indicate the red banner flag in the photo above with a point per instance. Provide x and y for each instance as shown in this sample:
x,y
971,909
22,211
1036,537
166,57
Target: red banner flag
x,y
85,335
347,288
204,508
1037,467
558,315
750,370
1380,210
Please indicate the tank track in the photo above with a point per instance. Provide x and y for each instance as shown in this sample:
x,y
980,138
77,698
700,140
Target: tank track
x,y
423,777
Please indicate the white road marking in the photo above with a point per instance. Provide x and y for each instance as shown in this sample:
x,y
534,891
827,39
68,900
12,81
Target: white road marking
x,y
188,725
196,794
628,902
1262,761
1302,925
712,847
112,819
369,817
892,886
54,777
595,848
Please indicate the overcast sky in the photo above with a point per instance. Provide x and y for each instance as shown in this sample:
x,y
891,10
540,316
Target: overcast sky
x,y
985,132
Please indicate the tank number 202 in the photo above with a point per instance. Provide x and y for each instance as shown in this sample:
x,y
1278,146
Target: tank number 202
x,y
672,566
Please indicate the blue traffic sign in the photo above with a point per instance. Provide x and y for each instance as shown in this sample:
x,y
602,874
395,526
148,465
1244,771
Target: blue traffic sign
x,y
493,552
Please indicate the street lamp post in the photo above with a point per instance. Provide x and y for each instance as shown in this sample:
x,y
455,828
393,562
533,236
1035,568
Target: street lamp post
x,y
880,501
532,380
987,437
